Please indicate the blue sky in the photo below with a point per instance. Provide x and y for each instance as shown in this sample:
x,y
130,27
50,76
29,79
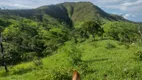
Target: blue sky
x,y
129,9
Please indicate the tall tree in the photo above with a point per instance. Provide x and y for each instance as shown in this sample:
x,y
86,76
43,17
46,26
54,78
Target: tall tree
x,y
2,52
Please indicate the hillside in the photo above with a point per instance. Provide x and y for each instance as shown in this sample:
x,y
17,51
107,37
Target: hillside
x,y
50,42
83,11
70,13
117,63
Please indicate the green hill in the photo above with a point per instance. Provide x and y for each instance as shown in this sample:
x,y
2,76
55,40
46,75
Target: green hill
x,y
69,12
50,42
98,60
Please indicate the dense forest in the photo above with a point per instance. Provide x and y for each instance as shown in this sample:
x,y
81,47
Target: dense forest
x,y
49,42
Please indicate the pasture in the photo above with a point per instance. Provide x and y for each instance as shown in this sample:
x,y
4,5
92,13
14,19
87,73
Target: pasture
x,y
97,60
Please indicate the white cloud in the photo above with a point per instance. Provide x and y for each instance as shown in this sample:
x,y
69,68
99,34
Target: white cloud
x,y
138,2
20,6
108,1
126,16
127,6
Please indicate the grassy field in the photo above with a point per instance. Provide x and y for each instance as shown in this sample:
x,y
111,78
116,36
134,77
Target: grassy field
x,y
94,60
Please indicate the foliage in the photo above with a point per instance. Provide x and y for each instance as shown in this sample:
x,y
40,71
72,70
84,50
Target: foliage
x,y
118,63
29,56
52,39
109,46
37,62
122,31
52,44
73,52
26,39
138,55
90,28
59,74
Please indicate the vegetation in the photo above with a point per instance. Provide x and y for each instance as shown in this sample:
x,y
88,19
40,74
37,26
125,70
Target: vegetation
x,y
40,44
122,31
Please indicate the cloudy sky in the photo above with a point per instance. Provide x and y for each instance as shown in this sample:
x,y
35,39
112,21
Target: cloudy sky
x,y
129,9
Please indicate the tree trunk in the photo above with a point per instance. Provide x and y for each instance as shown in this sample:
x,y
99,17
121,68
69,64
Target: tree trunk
x,y
2,52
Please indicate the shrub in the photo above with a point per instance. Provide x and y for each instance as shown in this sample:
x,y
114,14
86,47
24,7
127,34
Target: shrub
x,y
75,55
22,68
122,31
127,46
90,28
29,56
132,72
138,55
110,46
37,62
58,74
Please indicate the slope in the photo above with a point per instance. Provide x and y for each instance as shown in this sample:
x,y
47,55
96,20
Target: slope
x,y
116,63
82,11
69,12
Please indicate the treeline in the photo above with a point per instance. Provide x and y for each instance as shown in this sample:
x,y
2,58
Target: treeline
x,y
25,39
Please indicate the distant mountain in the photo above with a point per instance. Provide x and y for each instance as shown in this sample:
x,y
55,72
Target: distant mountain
x,y
69,12
87,11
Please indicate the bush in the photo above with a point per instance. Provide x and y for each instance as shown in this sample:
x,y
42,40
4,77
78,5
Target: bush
x,y
138,55
37,62
29,56
58,74
110,46
73,53
132,72
127,46
122,31
22,68
90,28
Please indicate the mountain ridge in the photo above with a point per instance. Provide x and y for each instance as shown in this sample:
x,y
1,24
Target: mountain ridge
x,y
71,13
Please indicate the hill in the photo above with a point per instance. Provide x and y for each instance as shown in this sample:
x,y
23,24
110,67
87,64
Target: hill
x,y
118,62
83,11
50,42
69,12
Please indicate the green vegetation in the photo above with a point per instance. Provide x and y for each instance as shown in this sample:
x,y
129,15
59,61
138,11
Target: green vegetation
x,y
122,31
96,61
40,44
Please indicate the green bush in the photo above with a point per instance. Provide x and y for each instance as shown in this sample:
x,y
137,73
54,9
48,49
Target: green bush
x,y
73,52
58,74
38,62
75,55
90,28
138,55
22,68
29,56
131,72
122,31
110,46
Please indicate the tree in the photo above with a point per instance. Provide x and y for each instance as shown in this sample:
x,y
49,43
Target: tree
x,y
20,38
90,28
122,31
2,51
53,39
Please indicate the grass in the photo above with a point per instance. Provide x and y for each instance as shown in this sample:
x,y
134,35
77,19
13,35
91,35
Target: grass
x,y
99,60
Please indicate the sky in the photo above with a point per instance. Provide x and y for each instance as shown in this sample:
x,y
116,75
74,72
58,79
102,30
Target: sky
x,y
129,9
